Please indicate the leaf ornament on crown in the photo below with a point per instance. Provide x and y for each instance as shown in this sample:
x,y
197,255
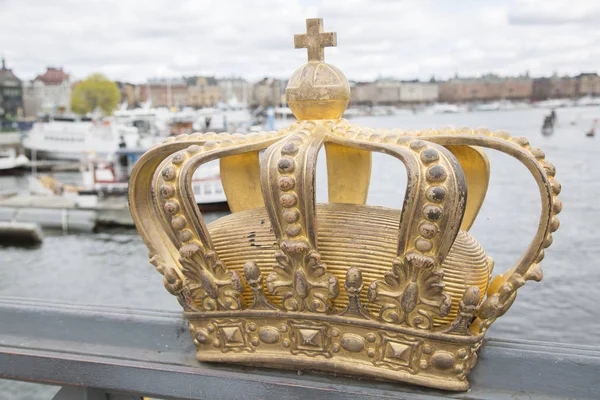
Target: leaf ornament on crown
x,y
411,292
201,281
344,287
299,275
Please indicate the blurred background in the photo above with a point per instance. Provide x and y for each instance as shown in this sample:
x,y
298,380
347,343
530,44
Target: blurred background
x,y
87,87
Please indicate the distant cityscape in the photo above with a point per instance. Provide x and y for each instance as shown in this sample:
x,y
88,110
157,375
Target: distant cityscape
x,y
50,92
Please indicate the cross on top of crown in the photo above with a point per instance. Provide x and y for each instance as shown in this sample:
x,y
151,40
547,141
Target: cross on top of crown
x,y
315,40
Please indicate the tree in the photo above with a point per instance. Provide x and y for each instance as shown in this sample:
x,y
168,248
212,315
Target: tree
x,y
95,91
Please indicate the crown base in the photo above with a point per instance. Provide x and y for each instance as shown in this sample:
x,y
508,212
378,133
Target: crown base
x,y
349,368
335,344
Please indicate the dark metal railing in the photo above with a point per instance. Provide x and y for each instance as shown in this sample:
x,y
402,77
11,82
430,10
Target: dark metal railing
x,y
122,353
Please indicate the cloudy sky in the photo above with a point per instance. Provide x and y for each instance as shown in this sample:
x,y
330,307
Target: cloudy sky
x,y
136,39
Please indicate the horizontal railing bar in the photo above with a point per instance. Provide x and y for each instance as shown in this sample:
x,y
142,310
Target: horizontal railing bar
x,y
151,352
41,303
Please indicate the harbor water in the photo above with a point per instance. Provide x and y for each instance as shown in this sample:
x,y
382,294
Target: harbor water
x,y
112,268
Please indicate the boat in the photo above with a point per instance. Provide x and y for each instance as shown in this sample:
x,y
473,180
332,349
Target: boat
x,y
554,103
75,138
444,108
547,130
182,122
548,125
208,188
109,178
588,101
592,130
380,111
351,113
150,122
494,106
232,116
9,160
502,105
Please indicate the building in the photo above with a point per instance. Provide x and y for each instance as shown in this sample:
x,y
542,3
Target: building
x,y
418,92
203,92
555,87
269,92
131,94
517,88
387,91
165,92
588,84
52,90
11,94
235,89
487,88
362,93
33,97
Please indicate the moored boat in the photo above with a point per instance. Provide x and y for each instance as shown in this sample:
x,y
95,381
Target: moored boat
x,y
9,159
73,138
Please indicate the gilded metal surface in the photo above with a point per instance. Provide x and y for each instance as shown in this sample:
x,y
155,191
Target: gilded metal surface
x,y
348,174
240,176
342,287
317,90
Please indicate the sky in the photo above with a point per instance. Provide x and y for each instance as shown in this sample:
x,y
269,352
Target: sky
x,y
132,40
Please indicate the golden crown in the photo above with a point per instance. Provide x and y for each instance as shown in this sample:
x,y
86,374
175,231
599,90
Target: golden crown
x,y
425,312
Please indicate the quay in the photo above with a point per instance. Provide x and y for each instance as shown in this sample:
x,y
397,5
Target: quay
x,y
124,353
22,233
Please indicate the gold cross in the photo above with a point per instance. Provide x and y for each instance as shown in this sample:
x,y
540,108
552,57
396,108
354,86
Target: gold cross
x,y
315,40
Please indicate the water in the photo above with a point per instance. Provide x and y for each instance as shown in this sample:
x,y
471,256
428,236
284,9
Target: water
x,y
112,268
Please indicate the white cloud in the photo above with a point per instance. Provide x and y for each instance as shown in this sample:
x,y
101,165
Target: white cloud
x,y
136,39
553,12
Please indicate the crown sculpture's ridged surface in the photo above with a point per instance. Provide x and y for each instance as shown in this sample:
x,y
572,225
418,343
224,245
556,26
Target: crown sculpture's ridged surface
x,y
339,287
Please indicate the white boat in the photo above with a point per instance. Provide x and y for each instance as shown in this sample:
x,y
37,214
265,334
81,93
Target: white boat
x,y
106,178
381,111
10,160
588,101
151,122
554,103
494,106
351,113
444,108
71,138
207,185
224,117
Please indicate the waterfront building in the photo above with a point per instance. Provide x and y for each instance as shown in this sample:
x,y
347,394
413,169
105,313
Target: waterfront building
x,y
418,92
235,88
555,87
362,93
33,97
588,84
131,94
49,92
203,91
269,92
11,94
486,88
165,92
389,91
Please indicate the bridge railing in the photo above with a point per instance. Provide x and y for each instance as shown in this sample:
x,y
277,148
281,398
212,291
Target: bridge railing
x,y
122,353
